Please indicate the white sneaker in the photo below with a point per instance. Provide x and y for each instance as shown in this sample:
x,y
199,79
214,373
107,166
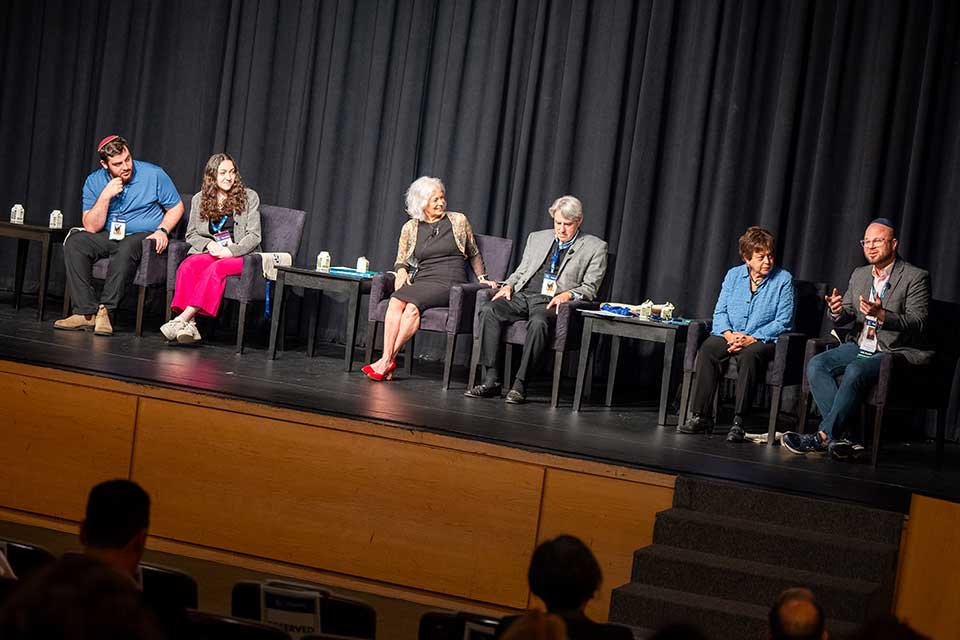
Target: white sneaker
x,y
170,329
188,333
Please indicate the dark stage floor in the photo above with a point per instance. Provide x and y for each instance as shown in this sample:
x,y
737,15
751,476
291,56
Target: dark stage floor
x,y
624,435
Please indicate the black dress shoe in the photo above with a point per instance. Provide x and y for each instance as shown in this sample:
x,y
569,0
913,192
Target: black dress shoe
x,y
697,424
515,397
736,433
483,391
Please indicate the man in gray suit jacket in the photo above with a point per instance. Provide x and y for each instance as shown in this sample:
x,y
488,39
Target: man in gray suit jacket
x,y
558,265
887,303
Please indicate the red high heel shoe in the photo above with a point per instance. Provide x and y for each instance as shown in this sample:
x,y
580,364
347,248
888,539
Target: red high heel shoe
x,y
380,377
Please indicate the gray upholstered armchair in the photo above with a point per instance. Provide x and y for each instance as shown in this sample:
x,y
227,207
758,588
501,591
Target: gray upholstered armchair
x,y
785,370
281,230
152,270
455,319
566,329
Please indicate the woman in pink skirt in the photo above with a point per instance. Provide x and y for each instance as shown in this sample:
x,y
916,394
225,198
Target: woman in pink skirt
x,y
224,226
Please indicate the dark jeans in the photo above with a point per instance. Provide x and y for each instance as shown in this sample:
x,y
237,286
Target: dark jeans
x,y
837,401
712,357
523,305
82,249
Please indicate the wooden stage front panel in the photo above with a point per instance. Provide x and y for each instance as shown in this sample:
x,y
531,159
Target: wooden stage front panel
x,y
413,514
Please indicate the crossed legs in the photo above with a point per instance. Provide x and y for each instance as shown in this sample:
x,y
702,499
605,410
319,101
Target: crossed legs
x,y
401,322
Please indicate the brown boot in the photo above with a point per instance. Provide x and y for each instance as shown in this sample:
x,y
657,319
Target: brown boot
x,y
103,326
76,322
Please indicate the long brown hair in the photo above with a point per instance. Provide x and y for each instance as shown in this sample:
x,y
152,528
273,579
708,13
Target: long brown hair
x,y
236,202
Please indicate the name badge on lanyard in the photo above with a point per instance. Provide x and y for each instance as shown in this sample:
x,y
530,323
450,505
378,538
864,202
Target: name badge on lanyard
x,y
118,229
549,286
223,238
868,342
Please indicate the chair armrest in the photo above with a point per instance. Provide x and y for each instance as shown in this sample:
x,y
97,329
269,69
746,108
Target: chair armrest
x,y
788,359
697,332
381,287
569,328
153,266
177,252
483,296
461,307
813,347
253,286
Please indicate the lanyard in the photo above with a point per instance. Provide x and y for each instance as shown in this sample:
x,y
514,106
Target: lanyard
x,y
560,246
879,296
217,226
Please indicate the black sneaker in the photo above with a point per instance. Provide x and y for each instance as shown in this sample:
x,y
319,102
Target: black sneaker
x,y
736,433
847,451
483,391
803,443
697,424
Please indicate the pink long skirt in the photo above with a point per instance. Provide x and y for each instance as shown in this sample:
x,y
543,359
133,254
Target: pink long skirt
x,y
201,279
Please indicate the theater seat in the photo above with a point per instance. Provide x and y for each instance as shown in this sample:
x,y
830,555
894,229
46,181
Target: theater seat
x,y
25,558
457,625
168,587
339,616
208,626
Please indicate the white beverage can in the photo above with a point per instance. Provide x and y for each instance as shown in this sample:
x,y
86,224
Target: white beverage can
x,y
56,219
16,214
363,265
323,261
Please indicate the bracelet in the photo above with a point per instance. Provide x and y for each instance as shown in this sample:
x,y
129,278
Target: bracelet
x,y
165,232
482,276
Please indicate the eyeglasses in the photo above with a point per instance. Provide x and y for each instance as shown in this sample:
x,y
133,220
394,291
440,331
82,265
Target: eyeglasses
x,y
874,242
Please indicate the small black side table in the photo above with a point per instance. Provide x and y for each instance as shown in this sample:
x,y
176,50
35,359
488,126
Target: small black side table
x,y
320,281
24,233
600,322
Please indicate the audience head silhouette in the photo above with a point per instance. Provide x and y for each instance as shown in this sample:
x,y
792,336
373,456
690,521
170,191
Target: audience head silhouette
x,y
796,615
77,598
564,574
115,527
536,625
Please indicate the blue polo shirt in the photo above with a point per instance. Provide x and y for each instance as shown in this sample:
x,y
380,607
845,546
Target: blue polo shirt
x,y
765,314
143,200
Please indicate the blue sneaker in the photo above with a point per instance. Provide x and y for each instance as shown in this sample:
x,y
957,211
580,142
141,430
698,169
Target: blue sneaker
x,y
803,443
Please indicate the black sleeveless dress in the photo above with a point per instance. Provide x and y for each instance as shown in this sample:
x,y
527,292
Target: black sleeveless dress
x,y
438,266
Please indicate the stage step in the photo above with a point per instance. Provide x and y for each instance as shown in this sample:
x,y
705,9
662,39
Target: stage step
x,y
759,505
756,582
723,553
653,607
776,545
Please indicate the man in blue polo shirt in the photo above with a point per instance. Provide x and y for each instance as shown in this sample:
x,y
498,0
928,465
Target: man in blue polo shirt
x,y
124,202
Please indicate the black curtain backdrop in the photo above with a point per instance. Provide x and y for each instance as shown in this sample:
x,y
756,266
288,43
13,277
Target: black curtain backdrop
x,y
678,123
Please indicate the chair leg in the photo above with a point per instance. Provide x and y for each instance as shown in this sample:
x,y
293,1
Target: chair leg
x,y
66,300
371,341
408,351
941,435
804,411
141,299
241,318
169,305
557,372
474,363
877,422
776,392
685,387
507,368
716,402
448,360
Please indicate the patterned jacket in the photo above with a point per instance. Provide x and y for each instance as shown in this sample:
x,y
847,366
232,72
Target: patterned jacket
x,y
462,235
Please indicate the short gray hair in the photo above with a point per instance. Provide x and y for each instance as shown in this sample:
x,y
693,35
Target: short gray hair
x,y
569,208
418,195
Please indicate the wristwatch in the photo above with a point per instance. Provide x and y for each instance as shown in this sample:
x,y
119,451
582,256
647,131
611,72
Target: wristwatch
x,y
165,232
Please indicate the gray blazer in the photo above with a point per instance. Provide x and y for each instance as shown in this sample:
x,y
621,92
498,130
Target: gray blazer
x,y
905,305
581,270
246,228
